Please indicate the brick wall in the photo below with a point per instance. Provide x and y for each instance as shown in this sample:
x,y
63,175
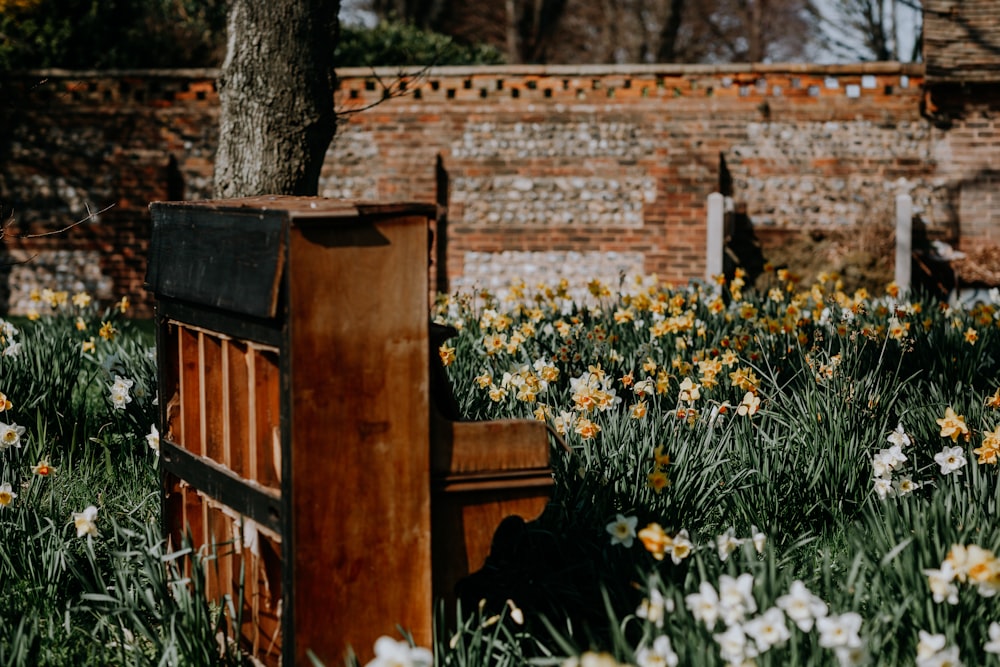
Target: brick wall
x,y
962,40
547,170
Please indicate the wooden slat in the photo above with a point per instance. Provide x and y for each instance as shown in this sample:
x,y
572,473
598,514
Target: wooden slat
x,y
190,388
267,418
168,363
237,407
214,406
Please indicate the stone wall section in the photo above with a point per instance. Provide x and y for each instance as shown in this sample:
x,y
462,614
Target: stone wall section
x,y
543,168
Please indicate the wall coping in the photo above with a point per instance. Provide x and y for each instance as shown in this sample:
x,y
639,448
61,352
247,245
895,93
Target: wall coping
x,y
663,69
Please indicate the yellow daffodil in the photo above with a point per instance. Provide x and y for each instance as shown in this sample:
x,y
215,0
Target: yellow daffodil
x,y
660,458
43,468
497,394
81,299
586,429
447,354
638,410
953,425
122,305
658,480
655,540
744,378
107,331
971,336
994,400
5,403
990,449
88,346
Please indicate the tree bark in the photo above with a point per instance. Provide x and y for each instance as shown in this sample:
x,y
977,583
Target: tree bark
x,y
276,93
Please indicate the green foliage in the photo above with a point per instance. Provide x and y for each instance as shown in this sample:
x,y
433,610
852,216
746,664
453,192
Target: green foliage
x,y
87,34
395,43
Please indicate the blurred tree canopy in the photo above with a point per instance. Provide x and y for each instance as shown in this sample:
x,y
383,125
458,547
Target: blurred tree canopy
x,y
620,31
130,34
399,43
99,34
104,34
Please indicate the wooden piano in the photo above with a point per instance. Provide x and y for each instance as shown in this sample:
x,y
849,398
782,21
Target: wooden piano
x,y
299,440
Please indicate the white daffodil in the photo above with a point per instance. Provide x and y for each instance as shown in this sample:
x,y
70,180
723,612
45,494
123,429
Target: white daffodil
x,y
906,485
681,547
929,644
727,543
941,583
736,597
120,392
767,630
153,439
660,654
993,645
392,653
654,608
622,530
802,606
851,656
932,652
898,438
10,435
86,521
704,605
883,487
842,630
950,459
733,646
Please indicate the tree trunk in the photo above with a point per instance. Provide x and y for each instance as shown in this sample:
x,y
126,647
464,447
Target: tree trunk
x,y
667,52
276,93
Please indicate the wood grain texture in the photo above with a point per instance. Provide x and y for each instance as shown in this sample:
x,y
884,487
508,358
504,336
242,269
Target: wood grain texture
x,y
360,435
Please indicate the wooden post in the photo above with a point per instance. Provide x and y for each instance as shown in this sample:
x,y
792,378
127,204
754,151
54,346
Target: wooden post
x,y
716,236
904,242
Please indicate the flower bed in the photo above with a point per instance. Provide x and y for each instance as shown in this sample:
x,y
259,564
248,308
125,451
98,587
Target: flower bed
x,y
798,476
792,476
